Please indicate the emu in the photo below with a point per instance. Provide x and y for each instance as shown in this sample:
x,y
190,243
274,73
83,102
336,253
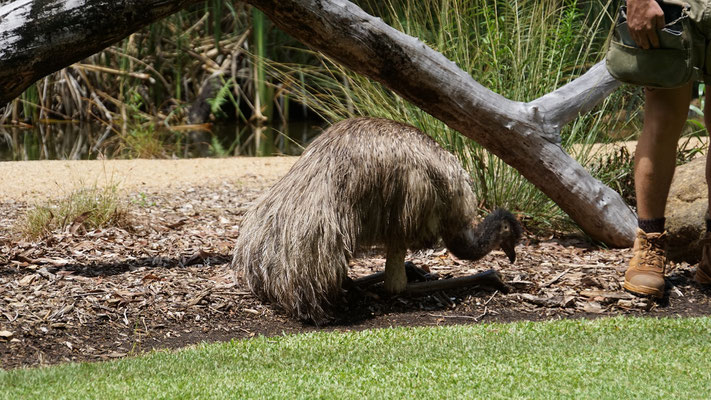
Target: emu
x,y
362,182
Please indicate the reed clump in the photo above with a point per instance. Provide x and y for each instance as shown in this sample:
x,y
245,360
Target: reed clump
x,y
153,78
82,210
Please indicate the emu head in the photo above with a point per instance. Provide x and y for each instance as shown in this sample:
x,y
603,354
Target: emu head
x,y
499,229
504,231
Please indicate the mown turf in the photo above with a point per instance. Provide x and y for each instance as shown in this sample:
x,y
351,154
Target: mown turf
x,y
606,358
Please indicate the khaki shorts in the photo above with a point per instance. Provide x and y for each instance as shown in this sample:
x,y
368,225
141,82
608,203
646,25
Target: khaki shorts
x,y
684,54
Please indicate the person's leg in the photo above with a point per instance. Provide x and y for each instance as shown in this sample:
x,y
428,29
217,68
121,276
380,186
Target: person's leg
x,y
665,112
703,271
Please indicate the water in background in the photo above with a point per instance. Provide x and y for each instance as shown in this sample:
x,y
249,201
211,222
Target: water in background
x,y
82,141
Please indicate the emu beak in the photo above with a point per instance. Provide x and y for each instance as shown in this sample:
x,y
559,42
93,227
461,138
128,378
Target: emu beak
x,y
508,248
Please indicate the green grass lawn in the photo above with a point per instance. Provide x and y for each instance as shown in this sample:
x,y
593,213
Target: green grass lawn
x,y
606,358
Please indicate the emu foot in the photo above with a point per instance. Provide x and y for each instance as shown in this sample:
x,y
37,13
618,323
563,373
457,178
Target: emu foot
x,y
413,272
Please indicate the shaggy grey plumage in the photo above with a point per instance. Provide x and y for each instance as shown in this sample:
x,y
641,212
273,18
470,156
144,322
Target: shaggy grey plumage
x,y
363,182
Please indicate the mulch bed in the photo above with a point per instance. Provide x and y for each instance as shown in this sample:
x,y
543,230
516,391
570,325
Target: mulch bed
x,y
165,282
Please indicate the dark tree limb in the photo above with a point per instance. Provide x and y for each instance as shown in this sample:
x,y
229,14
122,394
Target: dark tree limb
x,y
413,272
490,279
369,280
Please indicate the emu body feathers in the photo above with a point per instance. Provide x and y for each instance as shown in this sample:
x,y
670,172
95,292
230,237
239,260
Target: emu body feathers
x,y
364,181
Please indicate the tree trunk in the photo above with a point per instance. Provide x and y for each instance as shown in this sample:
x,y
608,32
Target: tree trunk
x,y
38,37
524,135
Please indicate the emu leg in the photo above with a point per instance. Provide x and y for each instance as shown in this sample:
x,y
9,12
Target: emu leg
x,y
395,276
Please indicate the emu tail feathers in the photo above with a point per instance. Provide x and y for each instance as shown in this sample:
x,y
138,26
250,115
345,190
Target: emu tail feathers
x,y
288,263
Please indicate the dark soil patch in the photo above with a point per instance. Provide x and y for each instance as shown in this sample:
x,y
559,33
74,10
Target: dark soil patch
x,y
166,283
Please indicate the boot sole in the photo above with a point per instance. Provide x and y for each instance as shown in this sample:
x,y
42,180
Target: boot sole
x,y
702,277
644,290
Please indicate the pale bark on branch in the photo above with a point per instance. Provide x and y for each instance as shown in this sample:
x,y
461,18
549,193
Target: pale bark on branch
x,y
524,135
38,37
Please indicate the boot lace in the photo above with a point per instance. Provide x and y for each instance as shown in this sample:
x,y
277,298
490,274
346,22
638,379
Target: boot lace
x,y
652,253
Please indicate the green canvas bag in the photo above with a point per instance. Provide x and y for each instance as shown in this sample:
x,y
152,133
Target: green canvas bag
x,y
676,62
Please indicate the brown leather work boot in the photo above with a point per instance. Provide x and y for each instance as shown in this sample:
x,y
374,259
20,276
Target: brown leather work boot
x,y
645,275
703,271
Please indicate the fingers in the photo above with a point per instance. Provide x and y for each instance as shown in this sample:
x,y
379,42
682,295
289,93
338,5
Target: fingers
x,y
642,39
645,17
653,37
647,38
660,21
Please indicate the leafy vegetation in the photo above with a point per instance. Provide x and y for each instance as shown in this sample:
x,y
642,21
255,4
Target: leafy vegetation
x,y
603,358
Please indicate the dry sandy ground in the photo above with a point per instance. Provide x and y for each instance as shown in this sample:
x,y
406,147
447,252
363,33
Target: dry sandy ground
x,y
36,180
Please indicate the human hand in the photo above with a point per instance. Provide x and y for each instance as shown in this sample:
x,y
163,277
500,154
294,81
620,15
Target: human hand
x,y
644,18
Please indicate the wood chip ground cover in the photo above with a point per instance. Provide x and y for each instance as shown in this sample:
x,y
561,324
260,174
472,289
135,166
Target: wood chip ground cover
x,y
166,283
